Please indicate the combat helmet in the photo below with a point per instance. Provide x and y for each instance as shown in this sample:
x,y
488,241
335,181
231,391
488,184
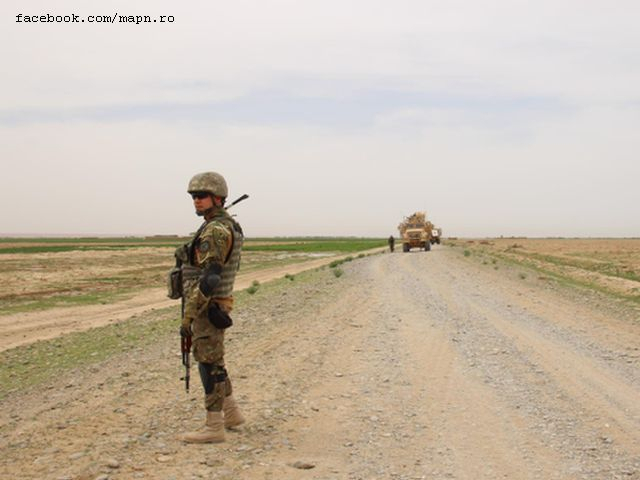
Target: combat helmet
x,y
210,182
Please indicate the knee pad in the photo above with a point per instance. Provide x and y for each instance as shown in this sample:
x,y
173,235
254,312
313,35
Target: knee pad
x,y
210,375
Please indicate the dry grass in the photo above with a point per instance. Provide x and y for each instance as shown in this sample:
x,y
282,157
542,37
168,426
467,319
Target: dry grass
x,y
42,273
609,265
36,280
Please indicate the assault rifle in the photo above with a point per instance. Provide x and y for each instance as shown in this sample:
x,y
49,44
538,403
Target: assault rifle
x,y
185,341
185,347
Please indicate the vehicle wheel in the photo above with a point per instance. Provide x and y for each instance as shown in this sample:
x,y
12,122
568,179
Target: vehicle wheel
x,y
405,247
427,247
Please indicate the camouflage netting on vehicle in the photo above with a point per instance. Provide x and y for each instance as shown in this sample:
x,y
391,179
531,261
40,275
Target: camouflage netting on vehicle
x,y
416,220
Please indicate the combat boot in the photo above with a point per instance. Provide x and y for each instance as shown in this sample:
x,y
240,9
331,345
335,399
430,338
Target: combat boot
x,y
232,415
213,431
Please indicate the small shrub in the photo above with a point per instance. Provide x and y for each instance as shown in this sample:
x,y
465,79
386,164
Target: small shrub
x,y
334,264
337,272
290,277
362,255
467,253
348,259
255,285
523,276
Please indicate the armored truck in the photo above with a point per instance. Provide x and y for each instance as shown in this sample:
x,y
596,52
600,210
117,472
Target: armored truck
x,y
416,232
436,235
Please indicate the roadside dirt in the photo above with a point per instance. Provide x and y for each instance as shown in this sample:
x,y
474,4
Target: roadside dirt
x,y
612,264
408,366
25,328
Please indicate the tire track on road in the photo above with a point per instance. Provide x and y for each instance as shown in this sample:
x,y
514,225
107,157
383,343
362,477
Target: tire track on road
x,y
582,406
475,434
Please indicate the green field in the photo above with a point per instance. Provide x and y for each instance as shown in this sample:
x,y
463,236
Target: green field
x,y
280,244
42,273
342,245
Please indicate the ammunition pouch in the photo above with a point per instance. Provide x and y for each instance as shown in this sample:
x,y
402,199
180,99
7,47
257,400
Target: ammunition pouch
x,y
218,317
174,283
178,278
190,273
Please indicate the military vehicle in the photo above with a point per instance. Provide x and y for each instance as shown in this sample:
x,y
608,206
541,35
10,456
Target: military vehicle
x,y
416,232
436,235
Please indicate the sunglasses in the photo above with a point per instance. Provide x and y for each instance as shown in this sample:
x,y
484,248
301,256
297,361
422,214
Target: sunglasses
x,y
199,195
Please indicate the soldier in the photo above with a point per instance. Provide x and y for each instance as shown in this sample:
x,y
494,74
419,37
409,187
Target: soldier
x,y
392,242
210,262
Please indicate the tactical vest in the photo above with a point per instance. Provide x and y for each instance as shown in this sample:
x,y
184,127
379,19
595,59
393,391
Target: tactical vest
x,y
190,272
232,262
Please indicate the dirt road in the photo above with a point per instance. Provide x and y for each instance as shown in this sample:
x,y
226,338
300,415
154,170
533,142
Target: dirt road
x,y
408,366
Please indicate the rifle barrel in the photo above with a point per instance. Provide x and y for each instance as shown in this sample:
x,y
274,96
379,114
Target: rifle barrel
x,y
185,347
238,200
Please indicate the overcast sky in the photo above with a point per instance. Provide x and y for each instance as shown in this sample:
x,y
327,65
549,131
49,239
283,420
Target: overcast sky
x,y
336,117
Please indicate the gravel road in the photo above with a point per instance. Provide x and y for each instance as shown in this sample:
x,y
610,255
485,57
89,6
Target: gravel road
x,y
408,366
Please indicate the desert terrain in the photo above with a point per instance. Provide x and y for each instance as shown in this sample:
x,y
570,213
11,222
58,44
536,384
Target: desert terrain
x,y
466,362
22,328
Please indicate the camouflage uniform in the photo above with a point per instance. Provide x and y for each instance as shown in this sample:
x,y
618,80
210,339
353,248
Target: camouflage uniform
x,y
217,242
203,277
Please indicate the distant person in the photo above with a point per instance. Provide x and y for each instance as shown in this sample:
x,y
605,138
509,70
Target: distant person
x,y
209,265
392,242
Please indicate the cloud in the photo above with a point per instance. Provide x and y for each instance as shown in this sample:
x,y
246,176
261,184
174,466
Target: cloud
x,y
382,108
575,50
500,117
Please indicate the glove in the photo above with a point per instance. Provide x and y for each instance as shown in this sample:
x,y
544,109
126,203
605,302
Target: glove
x,y
185,331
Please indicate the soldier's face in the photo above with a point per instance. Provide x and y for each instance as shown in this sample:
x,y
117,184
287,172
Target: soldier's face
x,y
202,203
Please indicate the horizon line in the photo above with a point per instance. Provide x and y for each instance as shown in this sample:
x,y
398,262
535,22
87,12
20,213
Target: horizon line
x,y
5,236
